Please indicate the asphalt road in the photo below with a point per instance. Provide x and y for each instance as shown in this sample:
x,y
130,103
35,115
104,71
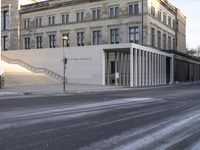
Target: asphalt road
x,y
150,119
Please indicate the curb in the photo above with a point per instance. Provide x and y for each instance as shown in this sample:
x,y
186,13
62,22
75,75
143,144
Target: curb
x,y
70,93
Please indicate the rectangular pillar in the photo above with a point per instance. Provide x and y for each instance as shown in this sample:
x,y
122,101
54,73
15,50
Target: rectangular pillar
x,y
160,70
172,70
124,69
143,68
147,69
128,70
135,67
165,75
150,68
116,69
131,68
140,67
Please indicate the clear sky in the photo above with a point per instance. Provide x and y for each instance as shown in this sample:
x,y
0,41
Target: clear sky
x,y
191,10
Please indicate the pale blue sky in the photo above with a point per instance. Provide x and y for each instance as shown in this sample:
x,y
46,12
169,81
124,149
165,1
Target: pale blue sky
x,y
191,9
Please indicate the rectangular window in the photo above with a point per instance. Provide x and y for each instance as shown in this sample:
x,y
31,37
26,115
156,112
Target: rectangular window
x,y
52,41
170,22
27,24
51,20
152,37
80,39
114,11
27,43
159,15
5,43
97,37
153,11
114,36
79,16
38,22
136,9
130,10
134,35
64,41
174,44
164,18
164,41
39,42
96,14
169,43
65,19
174,24
5,20
159,39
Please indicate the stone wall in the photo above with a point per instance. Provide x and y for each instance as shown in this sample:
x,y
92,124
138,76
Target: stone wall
x,y
85,64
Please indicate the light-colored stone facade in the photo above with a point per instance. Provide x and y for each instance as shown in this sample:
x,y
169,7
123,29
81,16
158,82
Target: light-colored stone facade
x,y
145,20
10,30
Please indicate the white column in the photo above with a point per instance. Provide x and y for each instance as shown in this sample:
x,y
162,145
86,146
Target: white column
x,y
172,70
156,69
136,67
143,68
150,68
153,69
124,69
131,68
160,69
147,69
140,68
116,69
165,77
119,71
128,70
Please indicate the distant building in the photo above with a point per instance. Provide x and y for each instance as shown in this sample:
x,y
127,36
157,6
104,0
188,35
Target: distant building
x,y
146,22
10,20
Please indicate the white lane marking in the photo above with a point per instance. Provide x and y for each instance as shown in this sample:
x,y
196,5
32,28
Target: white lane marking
x,y
144,135
25,118
41,111
161,133
196,146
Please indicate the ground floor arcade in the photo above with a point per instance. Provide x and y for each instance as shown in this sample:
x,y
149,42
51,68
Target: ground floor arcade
x,y
138,66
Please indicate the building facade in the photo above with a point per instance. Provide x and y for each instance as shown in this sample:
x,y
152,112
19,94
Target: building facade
x,y
154,23
10,20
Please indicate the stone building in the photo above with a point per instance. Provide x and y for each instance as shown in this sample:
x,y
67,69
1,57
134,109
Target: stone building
x,y
154,23
111,42
10,20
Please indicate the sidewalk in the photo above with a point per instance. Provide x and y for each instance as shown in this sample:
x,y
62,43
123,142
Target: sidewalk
x,y
55,89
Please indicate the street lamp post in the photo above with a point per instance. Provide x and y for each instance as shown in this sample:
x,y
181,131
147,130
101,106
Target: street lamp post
x,y
65,40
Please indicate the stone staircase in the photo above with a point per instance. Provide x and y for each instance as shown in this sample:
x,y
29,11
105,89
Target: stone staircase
x,y
32,68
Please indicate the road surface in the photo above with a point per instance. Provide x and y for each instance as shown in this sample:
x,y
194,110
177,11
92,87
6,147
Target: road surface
x,y
149,119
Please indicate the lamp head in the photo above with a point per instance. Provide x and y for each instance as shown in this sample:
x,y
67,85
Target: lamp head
x,y
65,38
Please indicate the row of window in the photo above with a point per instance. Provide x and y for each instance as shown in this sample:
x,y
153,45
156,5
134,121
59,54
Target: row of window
x,y
162,16
96,14
96,38
171,41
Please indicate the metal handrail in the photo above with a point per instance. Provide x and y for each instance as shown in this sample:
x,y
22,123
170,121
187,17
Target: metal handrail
x,y
32,68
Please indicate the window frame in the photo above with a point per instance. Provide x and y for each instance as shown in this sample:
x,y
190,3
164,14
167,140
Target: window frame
x,y
134,32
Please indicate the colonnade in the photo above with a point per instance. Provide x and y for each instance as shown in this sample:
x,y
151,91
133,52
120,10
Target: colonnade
x,y
136,67
149,68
